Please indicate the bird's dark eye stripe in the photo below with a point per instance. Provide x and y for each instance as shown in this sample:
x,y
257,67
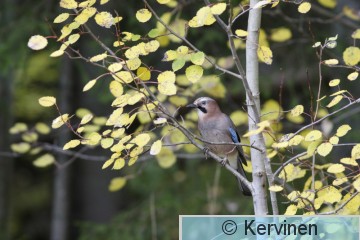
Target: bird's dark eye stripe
x,y
202,109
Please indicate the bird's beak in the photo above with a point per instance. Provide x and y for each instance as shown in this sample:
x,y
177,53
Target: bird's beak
x,y
191,106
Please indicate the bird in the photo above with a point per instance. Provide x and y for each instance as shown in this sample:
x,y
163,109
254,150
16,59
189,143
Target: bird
x,y
216,126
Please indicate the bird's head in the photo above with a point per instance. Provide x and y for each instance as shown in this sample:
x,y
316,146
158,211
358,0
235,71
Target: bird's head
x,y
205,106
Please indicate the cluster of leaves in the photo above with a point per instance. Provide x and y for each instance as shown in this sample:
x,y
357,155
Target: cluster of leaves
x,y
153,97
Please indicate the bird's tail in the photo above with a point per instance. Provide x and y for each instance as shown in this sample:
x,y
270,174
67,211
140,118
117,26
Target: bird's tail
x,y
242,186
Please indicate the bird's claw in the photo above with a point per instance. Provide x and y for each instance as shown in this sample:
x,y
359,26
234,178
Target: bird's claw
x,y
206,152
224,161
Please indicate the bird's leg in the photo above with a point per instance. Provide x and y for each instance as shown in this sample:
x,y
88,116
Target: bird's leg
x,y
224,161
206,152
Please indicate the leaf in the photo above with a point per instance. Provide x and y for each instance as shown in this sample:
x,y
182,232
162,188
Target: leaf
x,y
73,38
71,144
178,64
297,110
328,3
261,4
304,7
21,148
276,188
331,62
160,121
61,17
170,55
104,19
330,194
351,56
336,168
108,163
291,172
265,54
334,140
60,120
42,128
135,98
141,139
18,128
117,183
68,4
85,119
324,149
218,8
334,82
197,58
313,135
353,76
166,158
47,101
106,142
143,73
57,53
89,85
343,130
317,44
93,139
156,147
281,34
166,83
119,163
335,101
116,88
241,33
356,184
44,161
194,73
296,140
163,1
115,67
356,34
143,15
124,76
355,152
291,210
98,57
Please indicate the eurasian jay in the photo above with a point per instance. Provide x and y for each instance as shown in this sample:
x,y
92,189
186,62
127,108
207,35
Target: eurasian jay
x,y
215,126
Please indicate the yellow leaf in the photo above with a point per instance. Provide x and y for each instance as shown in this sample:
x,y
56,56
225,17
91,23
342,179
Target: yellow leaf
x,y
44,161
117,183
334,82
331,62
118,164
291,210
313,135
328,3
143,73
304,7
68,4
47,101
339,181
57,53
291,172
197,58
343,130
61,18
143,15
18,128
163,1
297,110
115,67
336,168
276,188
156,147
351,56
338,93
356,184
194,73
335,101
353,76
20,147
324,149
104,19
166,158
135,98
160,121
296,140
106,142
141,139
98,57
355,152
265,54
349,161
253,132
218,8
42,128
71,144
59,121
281,34
85,119
356,34
123,76
89,85
116,88
93,139
73,38
170,55
330,194
334,140
241,33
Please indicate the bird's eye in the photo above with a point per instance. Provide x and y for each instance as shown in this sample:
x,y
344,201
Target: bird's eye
x,y
203,103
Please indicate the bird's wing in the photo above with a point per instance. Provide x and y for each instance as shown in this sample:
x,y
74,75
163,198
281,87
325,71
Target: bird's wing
x,y
236,139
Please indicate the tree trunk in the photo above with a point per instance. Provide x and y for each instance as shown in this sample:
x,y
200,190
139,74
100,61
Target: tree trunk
x,y
252,75
61,199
